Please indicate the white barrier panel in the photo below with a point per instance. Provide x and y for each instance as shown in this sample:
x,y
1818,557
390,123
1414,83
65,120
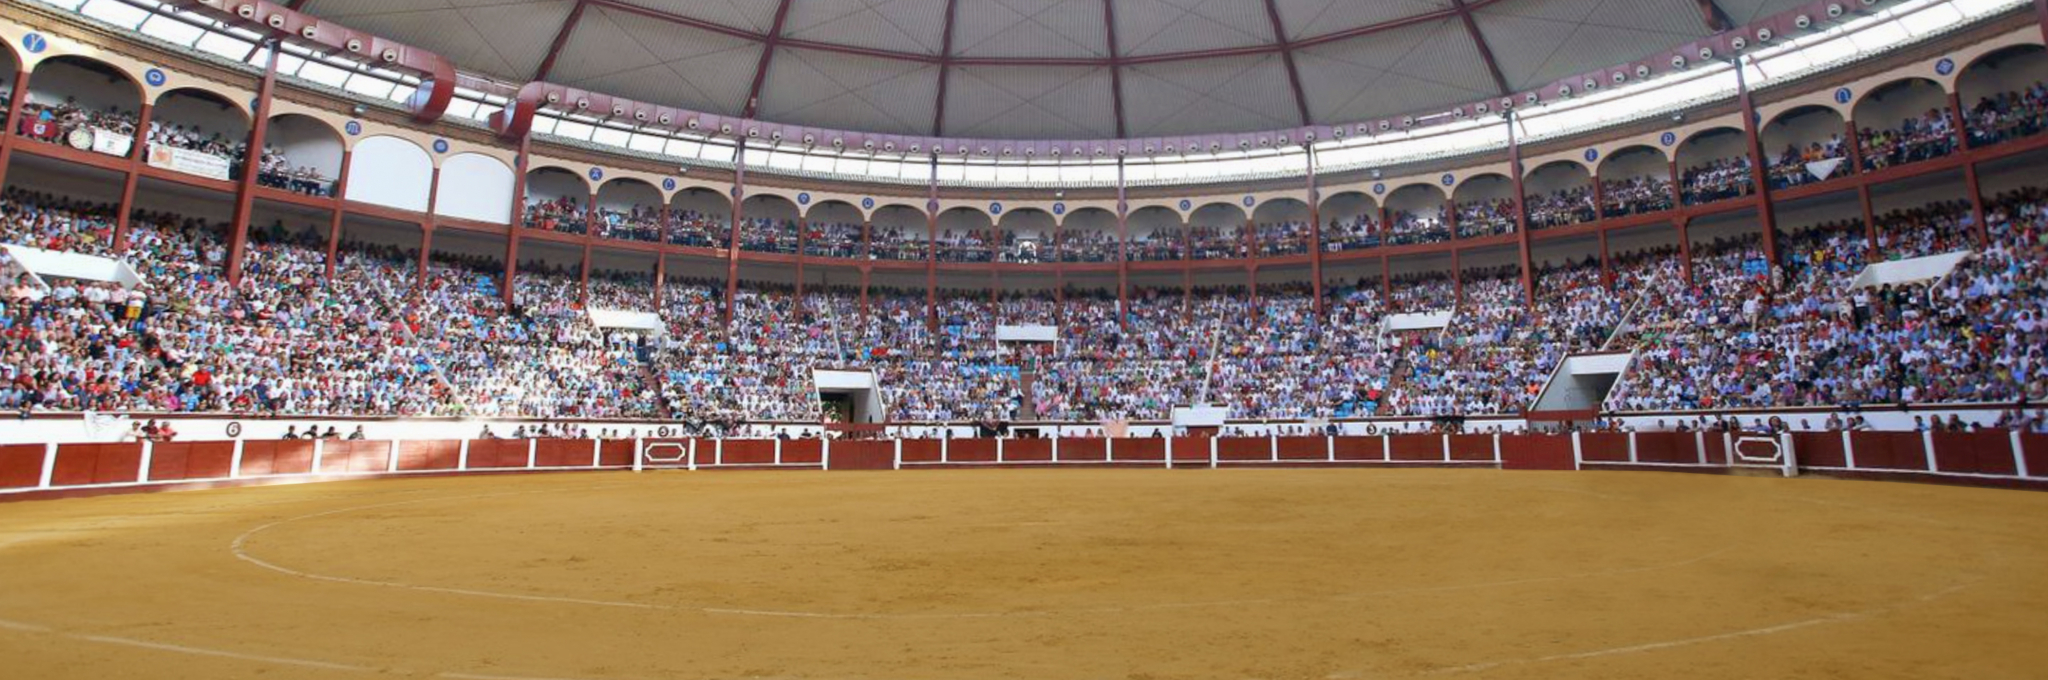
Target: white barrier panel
x,y
843,380
1418,321
47,263
629,320
1909,270
1027,333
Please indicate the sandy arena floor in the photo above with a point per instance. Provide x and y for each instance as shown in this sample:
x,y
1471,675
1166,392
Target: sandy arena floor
x,y
1045,575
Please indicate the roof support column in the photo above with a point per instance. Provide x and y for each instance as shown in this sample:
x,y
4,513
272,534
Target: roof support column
x,y
1315,234
252,162
12,137
1123,249
1759,172
931,247
518,217
1522,212
1955,113
732,244
348,158
135,151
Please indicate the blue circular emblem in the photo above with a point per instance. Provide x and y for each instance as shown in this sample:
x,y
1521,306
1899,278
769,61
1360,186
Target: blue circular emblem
x,y
1059,208
1842,96
1249,201
1945,66
995,208
440,146
931,206
1592,155
1380,188
1449,179
1669,138
803,198
155,77
353,128
735,192
596,174
867,203
1186,205
34,43
668,184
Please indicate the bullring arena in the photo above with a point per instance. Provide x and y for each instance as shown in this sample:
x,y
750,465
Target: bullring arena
x,y
1053,340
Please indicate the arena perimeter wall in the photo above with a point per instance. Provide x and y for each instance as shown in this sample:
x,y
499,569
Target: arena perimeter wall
x,y
1992,458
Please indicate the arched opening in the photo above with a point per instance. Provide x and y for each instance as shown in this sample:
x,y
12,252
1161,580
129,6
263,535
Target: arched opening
x,y
1635,180
1156,235
833,230
1904,121
199,132
86,103
1560,193
391,172
1486,206
1089,235
1216,232
1024,235
1716,166
629,209
965,235
556,201
1416,215
769,225
302,154
1351,221
9,66
1804,145
475,186
699,218
899,233
1283,227
2004,95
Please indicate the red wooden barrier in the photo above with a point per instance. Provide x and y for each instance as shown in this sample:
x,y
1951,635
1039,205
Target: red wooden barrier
x,y
1360,448
1472,447
439,454
1304,448
2036,448
1191,449
337,457
564,452
971,451
1416,447
173,461
863,455
1676,448
1610,447
97,464
1535,452
803,452
1715,447
617,453
260,458
21,465
1078,449
497,454
1139,449
741,452
922,450
1984,453
1889,450
1819,449
1244,449
1027,450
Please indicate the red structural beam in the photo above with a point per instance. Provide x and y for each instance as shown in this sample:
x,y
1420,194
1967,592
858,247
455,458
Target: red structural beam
x,y
1479,41
945,70
753,103
1287,58
547,64
1116,71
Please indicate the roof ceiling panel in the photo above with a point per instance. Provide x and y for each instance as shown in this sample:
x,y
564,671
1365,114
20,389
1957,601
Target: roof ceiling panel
x,y
1162,26
1030,103
753,15
1192,97
1540,41
825,89
908,25
501,38
1405,70
620,53
1030,28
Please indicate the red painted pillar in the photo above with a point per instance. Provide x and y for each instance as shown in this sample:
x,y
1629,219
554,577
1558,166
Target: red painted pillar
x,y
1315,235
660,278
348,157
1759,171
1451,217
1123,249
10,138
1855,144
732,244
803,237
1955,108
583,280
135,158
931,252
1521,212
427,226
245,193
1685,251
1386,281
1606,264
867,250
1457,278
518,220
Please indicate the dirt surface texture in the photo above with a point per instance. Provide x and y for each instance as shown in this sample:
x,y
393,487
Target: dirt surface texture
x,y
1036,574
